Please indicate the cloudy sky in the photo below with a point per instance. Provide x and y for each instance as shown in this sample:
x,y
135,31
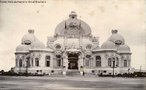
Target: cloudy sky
x,y
127,16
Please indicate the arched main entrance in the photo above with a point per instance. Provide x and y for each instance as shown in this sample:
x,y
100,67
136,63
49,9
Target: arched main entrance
x,y
73,61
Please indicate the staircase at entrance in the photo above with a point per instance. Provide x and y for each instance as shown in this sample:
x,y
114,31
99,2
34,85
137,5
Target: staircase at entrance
x,y
72,72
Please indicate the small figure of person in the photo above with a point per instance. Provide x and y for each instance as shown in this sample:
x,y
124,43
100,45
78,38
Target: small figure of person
x,y
64,71
81,71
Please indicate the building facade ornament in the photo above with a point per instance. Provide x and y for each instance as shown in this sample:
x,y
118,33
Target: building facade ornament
x,y
73,47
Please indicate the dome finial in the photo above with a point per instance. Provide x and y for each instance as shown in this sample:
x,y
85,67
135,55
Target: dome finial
x,y
31,31
73,14
114,31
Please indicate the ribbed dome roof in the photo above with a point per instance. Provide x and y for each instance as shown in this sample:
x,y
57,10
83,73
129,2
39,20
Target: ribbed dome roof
x,y
22,47
108,45
37,45
124,48
29,38
116,38
78,25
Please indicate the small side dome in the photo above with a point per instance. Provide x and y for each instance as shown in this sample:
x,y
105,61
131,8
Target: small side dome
x,y
124,48
22,48
108,45
116,38
29,38
37,45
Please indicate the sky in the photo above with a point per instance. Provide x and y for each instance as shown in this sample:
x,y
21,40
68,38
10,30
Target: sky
x,y
127,16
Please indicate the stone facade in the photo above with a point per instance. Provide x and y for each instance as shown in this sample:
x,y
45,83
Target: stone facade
x,y
73,48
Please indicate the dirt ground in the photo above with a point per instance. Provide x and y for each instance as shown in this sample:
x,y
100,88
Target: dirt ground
x,y
74,83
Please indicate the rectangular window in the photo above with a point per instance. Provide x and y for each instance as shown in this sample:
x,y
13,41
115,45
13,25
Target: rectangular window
x,y
47,63
117,63
87,62
28,63
20,63
17,63
59,59
125,63
37,62
109,62
59,62
98,63
113,63
31,61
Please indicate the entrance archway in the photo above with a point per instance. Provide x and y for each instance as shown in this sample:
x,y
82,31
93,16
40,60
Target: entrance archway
x,y
73,61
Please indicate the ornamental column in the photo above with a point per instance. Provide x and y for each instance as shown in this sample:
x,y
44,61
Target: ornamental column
x,y
65,60
80,61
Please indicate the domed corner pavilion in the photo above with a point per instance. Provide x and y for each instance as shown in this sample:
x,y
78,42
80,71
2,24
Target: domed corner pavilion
x,y
72,48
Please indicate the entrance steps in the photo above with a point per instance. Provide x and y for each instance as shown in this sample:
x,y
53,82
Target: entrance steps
x,y
73,73
90,75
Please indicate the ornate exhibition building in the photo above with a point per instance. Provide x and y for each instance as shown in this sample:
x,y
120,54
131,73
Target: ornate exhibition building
x,y
72,48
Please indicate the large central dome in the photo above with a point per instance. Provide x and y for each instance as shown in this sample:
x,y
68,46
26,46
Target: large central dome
x,y
73,26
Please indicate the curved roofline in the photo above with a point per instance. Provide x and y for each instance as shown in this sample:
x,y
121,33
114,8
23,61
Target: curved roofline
x,y
123,52
18,52
43,50
61,27
102,50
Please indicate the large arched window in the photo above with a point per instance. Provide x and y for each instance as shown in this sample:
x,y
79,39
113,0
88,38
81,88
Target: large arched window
x,y
20,63
125,63
98,61
47,61
109,62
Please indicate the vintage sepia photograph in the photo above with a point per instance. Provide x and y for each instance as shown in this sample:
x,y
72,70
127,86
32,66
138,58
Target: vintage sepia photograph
x,y
72,44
